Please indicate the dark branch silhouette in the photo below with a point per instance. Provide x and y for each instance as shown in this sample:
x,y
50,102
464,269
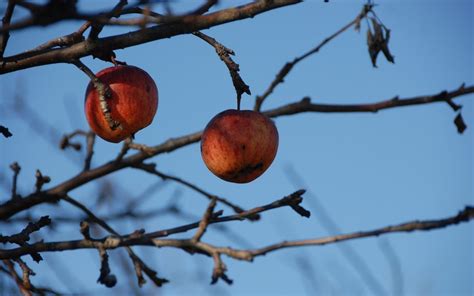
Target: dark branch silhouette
x,y
95,230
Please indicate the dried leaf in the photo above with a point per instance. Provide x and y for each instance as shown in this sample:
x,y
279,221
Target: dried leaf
x,y
378,41
372,46
459,122
5,132
106,278
385,49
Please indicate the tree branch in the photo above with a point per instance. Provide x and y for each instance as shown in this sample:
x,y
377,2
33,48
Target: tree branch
x,y
151,168
305,104
206,219
6,22
288,66
465,215
25,291
186,25
420,225
224,54
16,168
10,208
105,276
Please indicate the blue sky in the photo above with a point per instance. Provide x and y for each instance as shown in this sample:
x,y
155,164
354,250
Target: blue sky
x,y
363,170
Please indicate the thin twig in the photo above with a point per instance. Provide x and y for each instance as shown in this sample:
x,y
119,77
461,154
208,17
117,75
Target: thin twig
x,y
90,141
141,147
66,140
23,237
293,199
16,171
224,54
206,219
137,262
5,23
97,28
203,8
40,181
151,168
26,273
19,282
288,66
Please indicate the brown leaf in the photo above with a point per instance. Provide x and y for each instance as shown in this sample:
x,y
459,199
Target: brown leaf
x,y
459,122
5,132
378,41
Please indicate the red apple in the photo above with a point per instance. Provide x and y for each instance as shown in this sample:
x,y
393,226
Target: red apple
x,y
238,146
133,102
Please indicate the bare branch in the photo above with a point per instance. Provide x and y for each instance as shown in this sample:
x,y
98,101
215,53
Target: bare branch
x,y
9,208
141,147
305,104
293,199
66,140
26,272
85,230
90,141
189,245
105,278
219,270
5,23
151,168
97,28
16,171
11,270
204,7
186,25
24,236
288,66
224,54
463,216
41,180
206,218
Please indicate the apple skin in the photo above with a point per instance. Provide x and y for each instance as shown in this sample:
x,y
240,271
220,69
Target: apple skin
x,y
133,102
239,146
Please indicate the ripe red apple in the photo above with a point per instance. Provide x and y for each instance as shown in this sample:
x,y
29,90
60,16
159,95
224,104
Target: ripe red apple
x,y
238,146
133,102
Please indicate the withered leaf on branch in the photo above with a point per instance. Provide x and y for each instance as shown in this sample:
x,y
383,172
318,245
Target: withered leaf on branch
x,y
5,132
106,278
378,41
459,122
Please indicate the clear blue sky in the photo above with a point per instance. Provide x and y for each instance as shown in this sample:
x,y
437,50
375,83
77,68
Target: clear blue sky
x,y
365,170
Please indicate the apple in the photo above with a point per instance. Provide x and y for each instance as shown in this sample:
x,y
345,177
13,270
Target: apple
x,y
239,146
133,102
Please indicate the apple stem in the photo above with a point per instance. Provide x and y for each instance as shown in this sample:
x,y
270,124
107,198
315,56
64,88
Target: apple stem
x,y
238,102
